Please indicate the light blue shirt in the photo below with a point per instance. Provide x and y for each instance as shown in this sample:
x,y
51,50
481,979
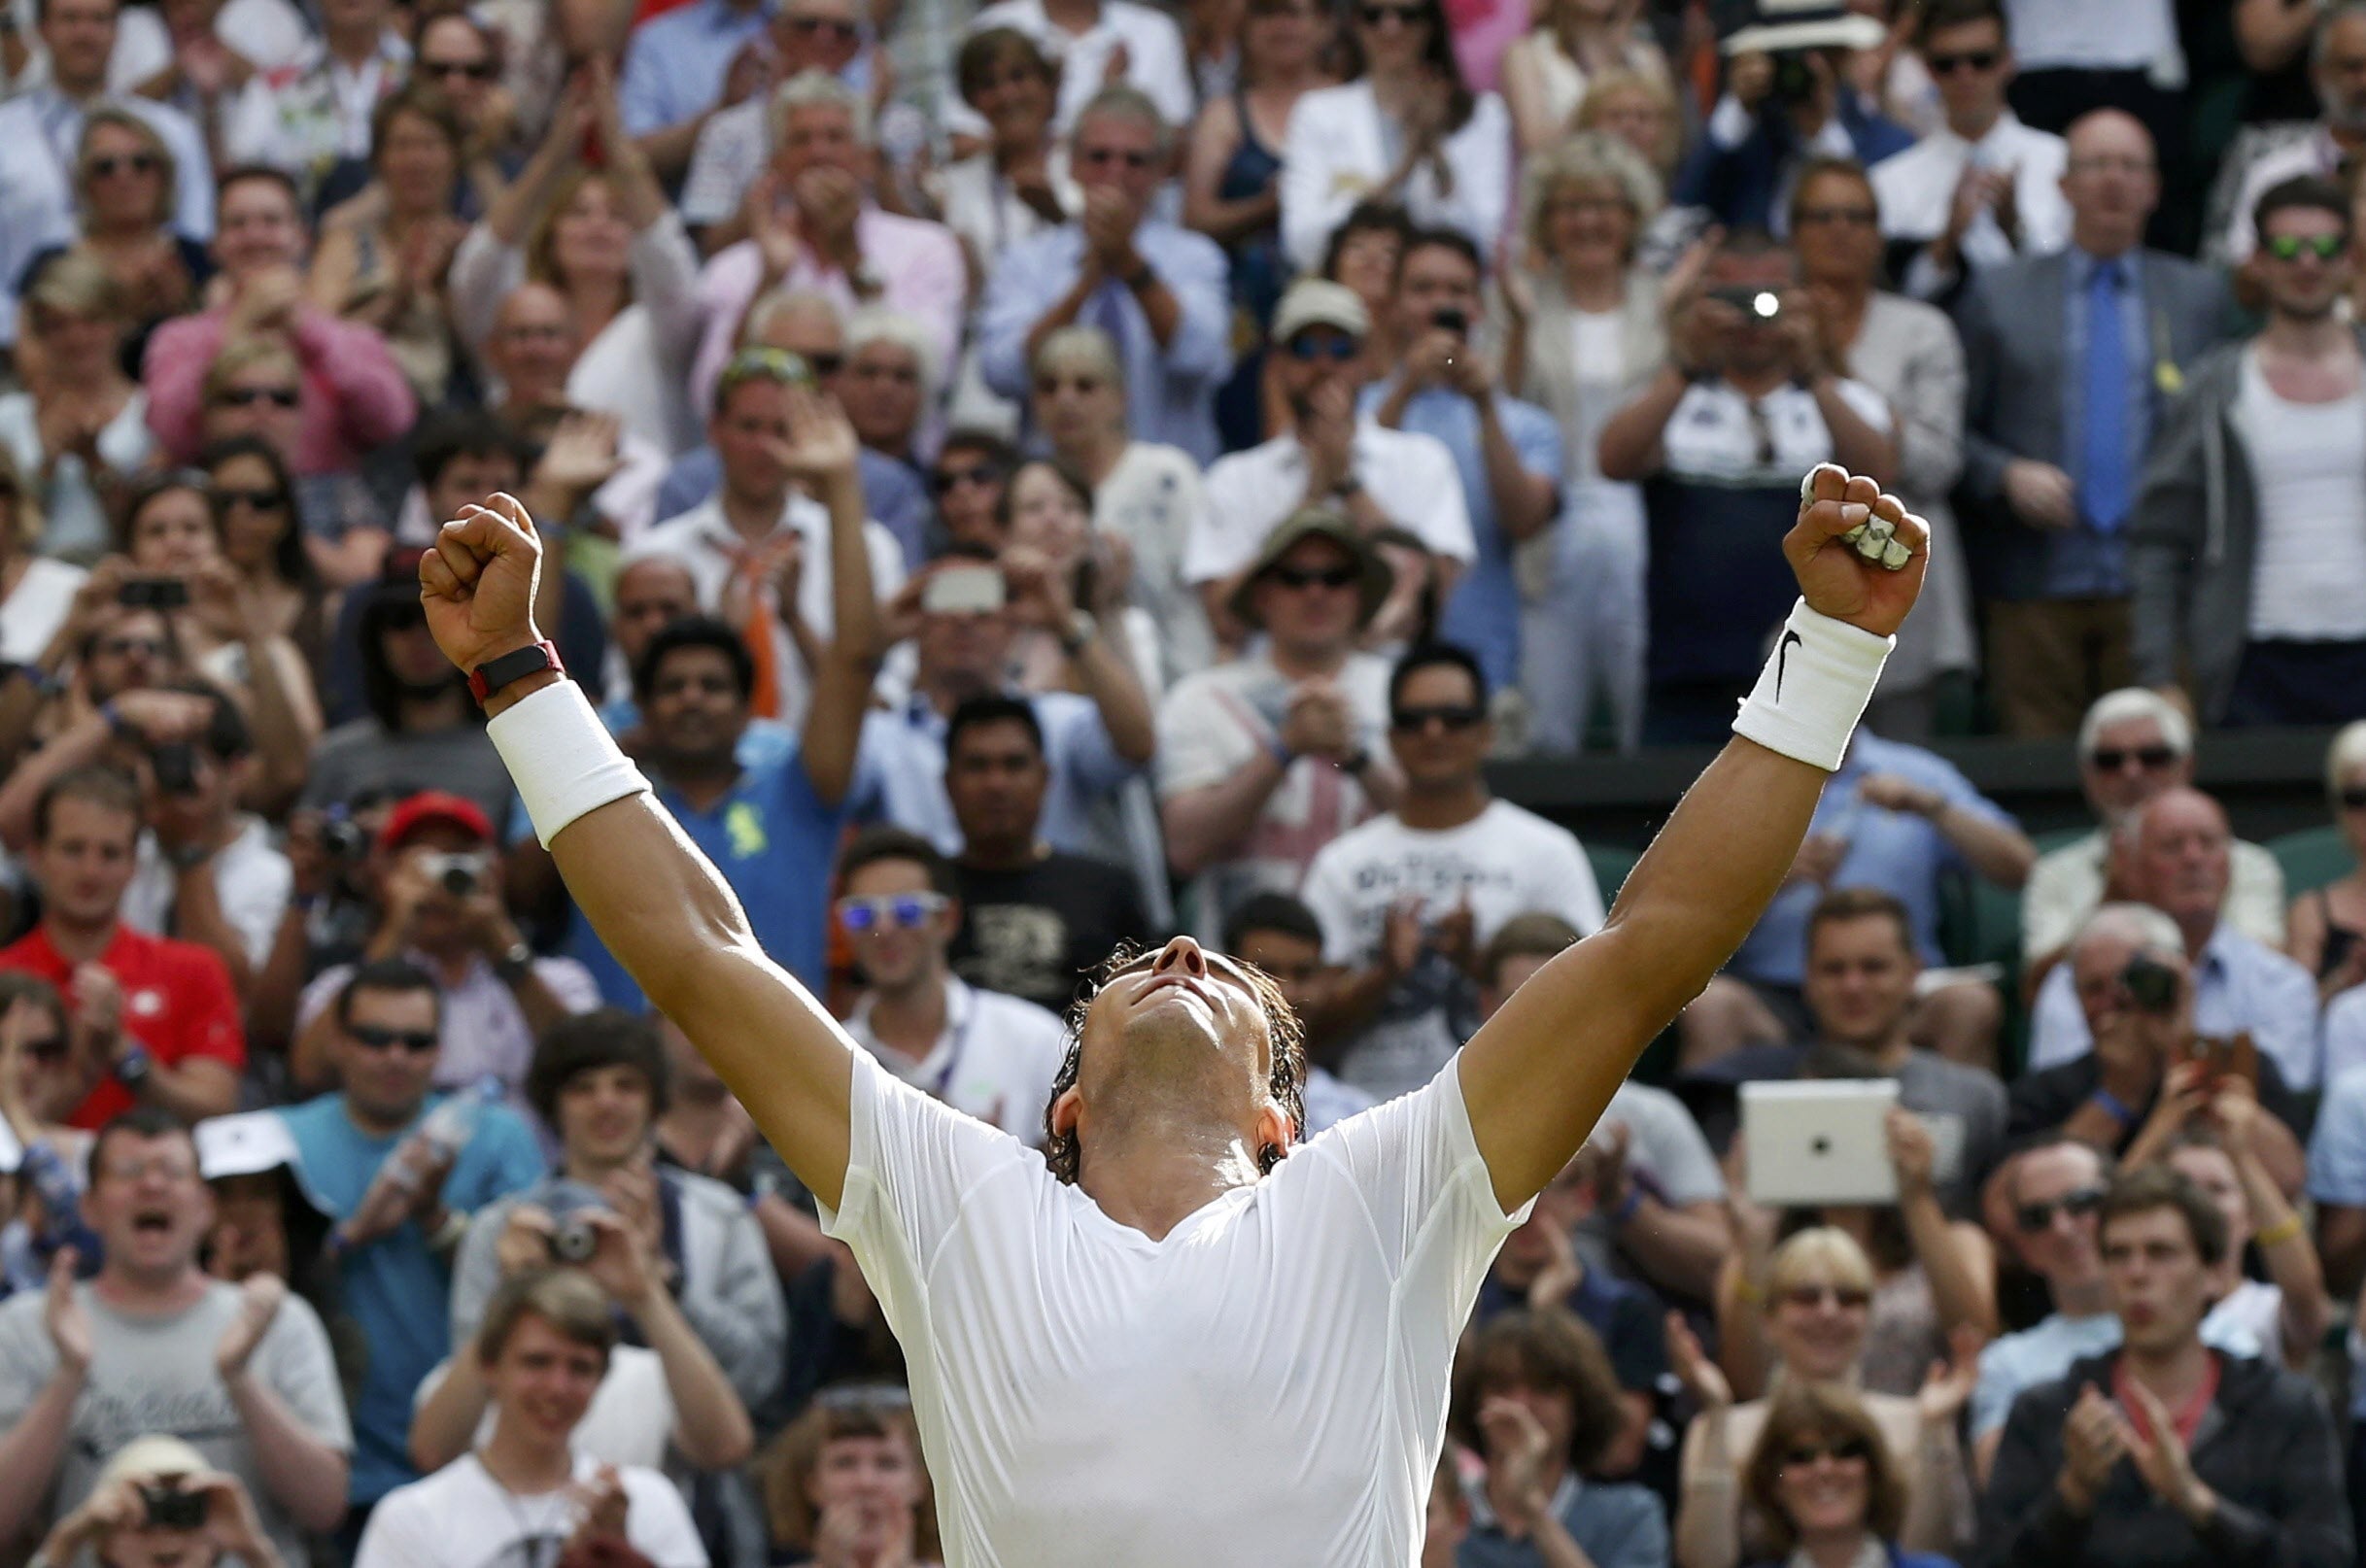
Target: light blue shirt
x,y
895,497
1170,392
395,1289
2240,984
2345,1033
676,62
2013,1365
2084,562
1484,614
900,777
1902,854
2337,1147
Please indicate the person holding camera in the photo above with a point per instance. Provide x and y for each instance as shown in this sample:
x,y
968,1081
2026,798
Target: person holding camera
x,y
1751,396
1787,97
532,1490
159,1505
400,1169
155,1019
149,1344
440,905
1507,453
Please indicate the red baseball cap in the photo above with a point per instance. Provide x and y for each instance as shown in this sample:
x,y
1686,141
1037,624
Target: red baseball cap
x,y
427,808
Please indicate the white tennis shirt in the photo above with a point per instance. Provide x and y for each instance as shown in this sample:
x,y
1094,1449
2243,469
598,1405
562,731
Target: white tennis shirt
x,y
1267,1383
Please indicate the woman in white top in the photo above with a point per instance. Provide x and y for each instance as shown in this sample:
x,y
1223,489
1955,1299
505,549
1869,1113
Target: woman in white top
x,y
80,427
1585,328
1144,493
1407,130
1546,74
1019,185
607,239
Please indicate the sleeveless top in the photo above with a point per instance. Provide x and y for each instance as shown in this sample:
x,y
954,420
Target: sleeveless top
x,y
1258,274
2339,938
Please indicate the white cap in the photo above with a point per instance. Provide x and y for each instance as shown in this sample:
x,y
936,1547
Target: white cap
x,y
246,1143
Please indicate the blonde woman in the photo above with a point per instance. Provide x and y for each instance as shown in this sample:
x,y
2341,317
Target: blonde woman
x,y
1818,1291
1575,43
1583,329
80,426
125,194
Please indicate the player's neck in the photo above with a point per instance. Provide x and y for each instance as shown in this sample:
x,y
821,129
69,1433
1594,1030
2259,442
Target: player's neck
x,y
1436,810
1152,1175
911,1017
523,1466
79,942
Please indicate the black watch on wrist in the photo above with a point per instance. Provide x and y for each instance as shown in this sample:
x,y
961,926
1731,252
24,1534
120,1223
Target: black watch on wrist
x,y
515,665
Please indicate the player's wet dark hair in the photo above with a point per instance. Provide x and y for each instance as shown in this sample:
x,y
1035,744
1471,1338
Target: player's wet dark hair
x,y
1286,1084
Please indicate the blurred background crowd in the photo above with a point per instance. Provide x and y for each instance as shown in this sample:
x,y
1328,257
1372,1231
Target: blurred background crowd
x,y
1311,464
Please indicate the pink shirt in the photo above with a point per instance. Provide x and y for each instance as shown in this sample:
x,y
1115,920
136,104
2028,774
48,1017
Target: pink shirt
x,y
355,397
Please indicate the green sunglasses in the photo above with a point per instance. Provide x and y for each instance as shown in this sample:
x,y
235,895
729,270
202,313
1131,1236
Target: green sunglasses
x,y
2289,247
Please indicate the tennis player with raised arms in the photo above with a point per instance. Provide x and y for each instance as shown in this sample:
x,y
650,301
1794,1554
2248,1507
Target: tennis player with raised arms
x,y
1184,1339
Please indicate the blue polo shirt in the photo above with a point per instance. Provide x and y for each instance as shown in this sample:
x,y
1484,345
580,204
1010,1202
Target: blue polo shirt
x,y
676,62
1484,613
395,1291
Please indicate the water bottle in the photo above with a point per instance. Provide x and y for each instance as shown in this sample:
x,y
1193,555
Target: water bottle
x,y
451,1124
60,1204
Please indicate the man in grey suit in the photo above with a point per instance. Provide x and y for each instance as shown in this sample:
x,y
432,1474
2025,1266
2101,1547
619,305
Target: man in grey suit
x,y
2071,361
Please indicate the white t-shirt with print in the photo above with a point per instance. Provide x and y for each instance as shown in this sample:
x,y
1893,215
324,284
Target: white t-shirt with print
x,y
1505,860
462,1517
1088,1396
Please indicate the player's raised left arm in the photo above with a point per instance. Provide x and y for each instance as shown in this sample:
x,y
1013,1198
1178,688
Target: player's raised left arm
x,y
1538,1075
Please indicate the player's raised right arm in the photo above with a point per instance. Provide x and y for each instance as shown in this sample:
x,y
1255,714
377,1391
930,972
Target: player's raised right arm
x,y
664,912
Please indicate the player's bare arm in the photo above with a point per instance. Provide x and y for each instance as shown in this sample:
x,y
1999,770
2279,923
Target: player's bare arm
x,y
657,903
1538,1075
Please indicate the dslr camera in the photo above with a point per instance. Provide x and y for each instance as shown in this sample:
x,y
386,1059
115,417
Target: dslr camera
x,y
2152,985
1795,79
169,1508
459,873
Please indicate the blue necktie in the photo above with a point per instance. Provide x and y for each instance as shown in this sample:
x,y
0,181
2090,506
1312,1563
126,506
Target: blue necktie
x,y
2103,479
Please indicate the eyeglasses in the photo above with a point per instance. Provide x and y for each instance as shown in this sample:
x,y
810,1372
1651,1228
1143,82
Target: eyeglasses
x,y
450,70
2112,758
249,397
1094,157
2353,800
1379,17
414,1041
1977,59
906,911
761,363
949,480
1304,577
2124,163
1850,1298
108,165
1308,346
259,501
1454,718
836,27
2293,247
146,647
1853,217
2038,1216
1847,1451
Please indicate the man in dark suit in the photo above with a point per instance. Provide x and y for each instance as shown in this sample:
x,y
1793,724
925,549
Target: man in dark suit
x,y
2073,359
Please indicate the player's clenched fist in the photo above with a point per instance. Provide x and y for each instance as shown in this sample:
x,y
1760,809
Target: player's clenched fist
x,y
1858,552
478,583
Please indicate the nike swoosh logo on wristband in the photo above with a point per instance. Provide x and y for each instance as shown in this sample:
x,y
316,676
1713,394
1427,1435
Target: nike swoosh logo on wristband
x,y
1782,656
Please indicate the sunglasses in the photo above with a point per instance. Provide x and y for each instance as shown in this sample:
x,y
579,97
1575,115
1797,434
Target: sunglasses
x,y
904,911
825,365
1977,59
1378,17
1847,1451
949,480
1307,346
108,165
249,397
2291,247
2112,758
1454,718
261,501
414,1041
1099,156
469,70
812,26
2034,1217
2353,800
1851,1297
1301,577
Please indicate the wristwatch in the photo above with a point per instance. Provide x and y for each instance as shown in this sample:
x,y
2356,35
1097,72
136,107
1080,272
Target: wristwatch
x,y
1083,626
515,665
513,964
134,1067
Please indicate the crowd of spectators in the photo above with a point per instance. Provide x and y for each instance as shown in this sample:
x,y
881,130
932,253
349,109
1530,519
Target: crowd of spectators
x,y
1030,478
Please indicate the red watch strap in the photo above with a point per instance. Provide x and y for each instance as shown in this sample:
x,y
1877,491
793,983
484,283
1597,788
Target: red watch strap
x,y
492,675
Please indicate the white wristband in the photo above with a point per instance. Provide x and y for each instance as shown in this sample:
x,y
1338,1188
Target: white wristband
x,y
563,757
1812,691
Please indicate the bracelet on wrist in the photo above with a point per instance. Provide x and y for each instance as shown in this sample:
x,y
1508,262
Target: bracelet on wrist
x,y
1628,1206
2112,1105
2282,1231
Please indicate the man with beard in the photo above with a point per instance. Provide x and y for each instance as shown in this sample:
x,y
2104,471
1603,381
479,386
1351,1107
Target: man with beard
x,y
2248,559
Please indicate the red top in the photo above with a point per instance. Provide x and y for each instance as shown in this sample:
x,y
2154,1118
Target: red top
x,y
2187,1418
177,1002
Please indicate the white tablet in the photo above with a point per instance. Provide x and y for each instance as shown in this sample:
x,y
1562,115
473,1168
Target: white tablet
x,y
1819,1140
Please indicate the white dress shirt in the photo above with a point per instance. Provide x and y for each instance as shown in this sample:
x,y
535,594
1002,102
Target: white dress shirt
x,y
1339,148
1410,476
1155,60
1916,190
